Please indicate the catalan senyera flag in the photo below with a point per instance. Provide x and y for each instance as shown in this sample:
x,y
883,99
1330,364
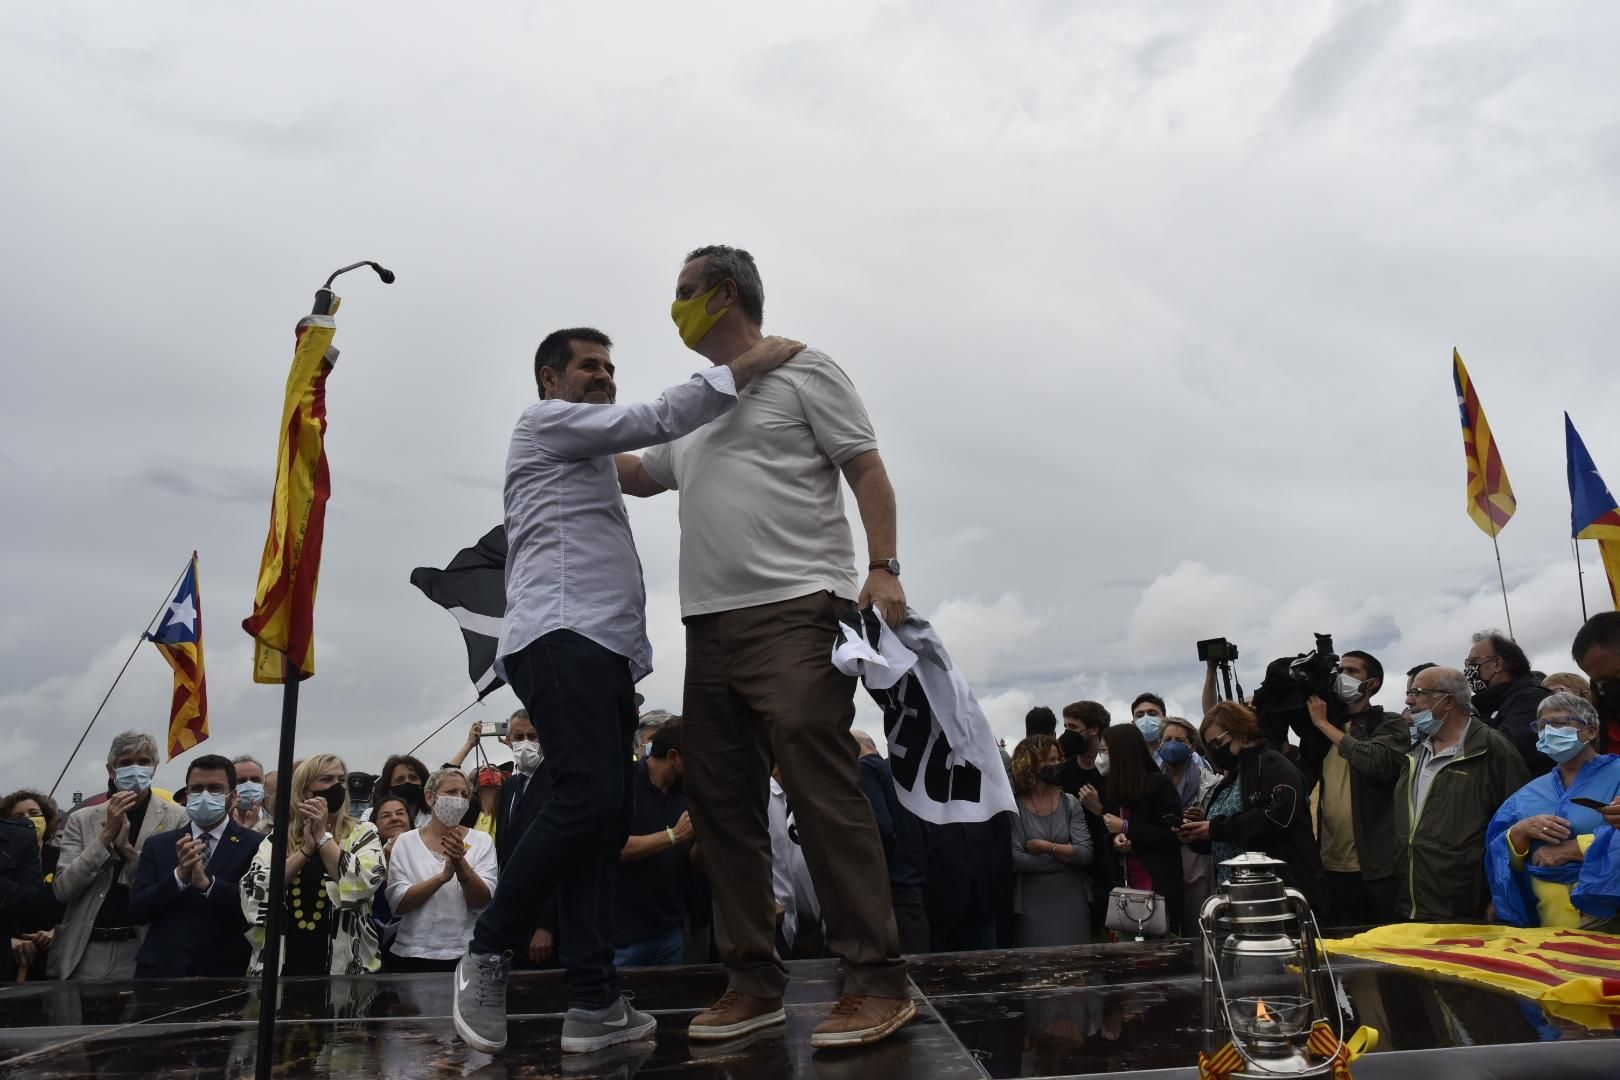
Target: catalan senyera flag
x,y
1572,974
1490,496
1594,515
283,619
179,637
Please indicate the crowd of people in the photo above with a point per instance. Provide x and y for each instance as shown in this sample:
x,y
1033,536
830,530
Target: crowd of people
x,y
1461,807
758,826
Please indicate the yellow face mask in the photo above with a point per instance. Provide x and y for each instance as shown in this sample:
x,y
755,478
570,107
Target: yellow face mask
x,y
39,826
692,317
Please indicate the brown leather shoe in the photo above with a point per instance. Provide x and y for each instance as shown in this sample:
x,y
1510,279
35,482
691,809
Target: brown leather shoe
x,y
734,1015
859,1019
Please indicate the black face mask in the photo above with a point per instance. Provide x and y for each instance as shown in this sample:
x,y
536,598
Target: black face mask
x,y
1222,756
411,793
1051,774
1072,743
333,796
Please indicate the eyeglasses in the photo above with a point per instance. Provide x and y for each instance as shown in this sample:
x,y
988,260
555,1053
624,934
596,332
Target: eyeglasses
x,y
1422,691
1558,722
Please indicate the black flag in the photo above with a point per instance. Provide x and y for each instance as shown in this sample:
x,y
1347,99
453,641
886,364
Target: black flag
x,y
473,589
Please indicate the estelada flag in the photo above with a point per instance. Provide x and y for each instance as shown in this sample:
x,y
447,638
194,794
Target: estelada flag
x,y
1593,513
179,638
1490,496
283,619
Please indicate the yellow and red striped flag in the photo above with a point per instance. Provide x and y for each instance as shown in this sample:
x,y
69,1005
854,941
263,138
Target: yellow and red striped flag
x,y
1490,496
1574,974
179,638
1594,515
283,619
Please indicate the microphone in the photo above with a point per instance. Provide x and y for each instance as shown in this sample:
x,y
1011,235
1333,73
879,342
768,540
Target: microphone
x,y
324,297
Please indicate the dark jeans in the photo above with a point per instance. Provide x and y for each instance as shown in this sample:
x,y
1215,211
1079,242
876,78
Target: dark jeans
x,y
580,698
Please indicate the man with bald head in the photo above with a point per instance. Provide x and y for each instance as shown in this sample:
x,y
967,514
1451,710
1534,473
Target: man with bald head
x,y
905,845
1457,775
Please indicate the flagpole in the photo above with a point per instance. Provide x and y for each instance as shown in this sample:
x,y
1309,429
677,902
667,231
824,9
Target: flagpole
x,y
444,725
1580,574
270,955
139,641
1502,577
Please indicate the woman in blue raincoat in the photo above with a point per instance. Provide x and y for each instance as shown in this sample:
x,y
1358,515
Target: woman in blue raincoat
x,y
1552,862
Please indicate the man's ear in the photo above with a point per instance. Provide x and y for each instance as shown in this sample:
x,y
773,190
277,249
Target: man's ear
x,y
1374,686
726,297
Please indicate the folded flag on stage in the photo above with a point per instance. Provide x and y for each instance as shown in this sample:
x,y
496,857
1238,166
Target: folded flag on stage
x,y
1594,515
179,638
1571,973
283,621
1490,496
473,589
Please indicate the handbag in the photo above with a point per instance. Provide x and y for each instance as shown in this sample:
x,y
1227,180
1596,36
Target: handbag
x,y
1139,912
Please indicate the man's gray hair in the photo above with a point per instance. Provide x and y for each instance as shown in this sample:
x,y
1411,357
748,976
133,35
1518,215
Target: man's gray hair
x,y
131,742
1491,635
1567,704
1451,681
436,781
722,262
518,714
240,758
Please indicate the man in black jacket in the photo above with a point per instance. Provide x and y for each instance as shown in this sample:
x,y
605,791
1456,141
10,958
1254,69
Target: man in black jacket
x,y
522,796
1506,694
1356,800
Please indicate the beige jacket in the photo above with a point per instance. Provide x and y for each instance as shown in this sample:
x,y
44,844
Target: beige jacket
x,y
84,874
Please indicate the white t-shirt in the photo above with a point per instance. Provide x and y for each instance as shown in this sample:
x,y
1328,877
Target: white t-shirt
x,y
439,929
762,504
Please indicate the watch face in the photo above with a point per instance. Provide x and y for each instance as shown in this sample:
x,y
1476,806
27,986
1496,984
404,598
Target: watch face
x,y
894,567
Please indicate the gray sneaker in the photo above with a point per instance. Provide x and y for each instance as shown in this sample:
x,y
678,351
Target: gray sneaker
x,y
586,1031
479,1000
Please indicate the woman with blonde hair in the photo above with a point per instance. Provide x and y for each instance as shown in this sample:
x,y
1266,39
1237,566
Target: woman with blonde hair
x,y
334,869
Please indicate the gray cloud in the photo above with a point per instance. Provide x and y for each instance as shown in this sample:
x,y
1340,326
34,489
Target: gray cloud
x,y
1147,364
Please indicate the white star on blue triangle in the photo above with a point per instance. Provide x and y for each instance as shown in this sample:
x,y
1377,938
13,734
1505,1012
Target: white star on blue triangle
x,y
180,621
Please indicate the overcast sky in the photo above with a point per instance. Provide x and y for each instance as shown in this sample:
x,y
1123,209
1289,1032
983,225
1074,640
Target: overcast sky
x,y
1152,305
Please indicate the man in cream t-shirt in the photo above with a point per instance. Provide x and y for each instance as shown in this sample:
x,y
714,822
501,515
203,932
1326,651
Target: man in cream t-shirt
x,y
766,563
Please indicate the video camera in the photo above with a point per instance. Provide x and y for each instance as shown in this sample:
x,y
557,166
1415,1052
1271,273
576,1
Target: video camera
x,y
1223,654
1290,682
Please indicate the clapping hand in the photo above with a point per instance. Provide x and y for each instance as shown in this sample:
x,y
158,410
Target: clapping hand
x,y
1122,843
193,868
455,854
683,829
1115,823
115,830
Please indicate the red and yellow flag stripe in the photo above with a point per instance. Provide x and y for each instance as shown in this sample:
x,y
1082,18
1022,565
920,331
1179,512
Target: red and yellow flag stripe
x,y
283,619
1490,496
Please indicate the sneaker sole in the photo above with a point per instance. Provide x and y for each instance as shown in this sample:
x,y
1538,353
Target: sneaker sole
x,y
709,1033
468,1035
577,1045
834,1039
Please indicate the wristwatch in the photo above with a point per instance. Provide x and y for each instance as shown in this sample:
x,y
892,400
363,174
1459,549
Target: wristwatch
x,y
891,565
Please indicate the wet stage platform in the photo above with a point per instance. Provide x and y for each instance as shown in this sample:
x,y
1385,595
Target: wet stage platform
x,y
1100,1011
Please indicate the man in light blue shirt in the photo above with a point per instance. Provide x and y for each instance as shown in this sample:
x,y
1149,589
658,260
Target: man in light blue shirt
x,y
573,645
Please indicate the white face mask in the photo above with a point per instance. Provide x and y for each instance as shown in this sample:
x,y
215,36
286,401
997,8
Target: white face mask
x,y
526,752
450,809
1349,688
1102,762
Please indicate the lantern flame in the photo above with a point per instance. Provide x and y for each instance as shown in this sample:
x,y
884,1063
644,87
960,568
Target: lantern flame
x,y
1261,1013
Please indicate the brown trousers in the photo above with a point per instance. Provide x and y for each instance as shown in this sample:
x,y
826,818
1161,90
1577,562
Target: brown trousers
x,y
761,688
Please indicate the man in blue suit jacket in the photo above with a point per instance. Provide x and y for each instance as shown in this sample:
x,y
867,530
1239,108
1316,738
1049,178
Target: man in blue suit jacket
x,y
186,883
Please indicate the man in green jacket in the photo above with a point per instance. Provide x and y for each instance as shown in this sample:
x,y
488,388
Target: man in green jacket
x,y
1456,777
1356,800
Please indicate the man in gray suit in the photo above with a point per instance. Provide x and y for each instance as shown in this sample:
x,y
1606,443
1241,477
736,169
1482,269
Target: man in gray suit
x,y
100,850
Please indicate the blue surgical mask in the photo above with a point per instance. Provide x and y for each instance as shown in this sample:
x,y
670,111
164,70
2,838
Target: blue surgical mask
x,y
250,793
1425,723
1150,726
1559,743
133,778
206,807
1174,752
